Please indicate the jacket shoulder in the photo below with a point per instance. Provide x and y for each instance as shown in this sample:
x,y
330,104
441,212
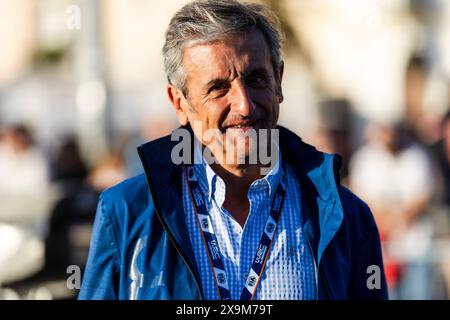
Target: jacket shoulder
x,y
127,203
132,191
122,214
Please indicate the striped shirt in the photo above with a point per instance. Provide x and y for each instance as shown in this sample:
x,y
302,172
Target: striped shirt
x,y
290,272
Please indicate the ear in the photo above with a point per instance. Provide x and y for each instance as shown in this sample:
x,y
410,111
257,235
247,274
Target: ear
x,y
280,78
177,98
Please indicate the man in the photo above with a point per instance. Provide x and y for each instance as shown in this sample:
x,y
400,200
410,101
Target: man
x,y
226,227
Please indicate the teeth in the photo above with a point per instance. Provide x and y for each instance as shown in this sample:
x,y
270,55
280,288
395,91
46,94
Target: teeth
x,y
237,126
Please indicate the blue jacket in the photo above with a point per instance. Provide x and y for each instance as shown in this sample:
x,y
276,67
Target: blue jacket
x,y
140,248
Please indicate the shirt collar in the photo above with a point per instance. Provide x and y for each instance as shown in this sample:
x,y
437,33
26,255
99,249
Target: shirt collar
x,y
213,186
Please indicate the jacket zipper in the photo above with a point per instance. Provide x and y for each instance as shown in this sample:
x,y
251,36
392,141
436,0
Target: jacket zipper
x,y
318,272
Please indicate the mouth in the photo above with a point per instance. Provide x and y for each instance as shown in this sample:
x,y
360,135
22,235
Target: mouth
x,y
242,126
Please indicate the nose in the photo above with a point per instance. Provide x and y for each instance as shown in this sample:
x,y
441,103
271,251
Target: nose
x,y
242,100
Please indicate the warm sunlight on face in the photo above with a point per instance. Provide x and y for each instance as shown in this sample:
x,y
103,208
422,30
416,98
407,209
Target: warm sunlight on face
x,y
232,88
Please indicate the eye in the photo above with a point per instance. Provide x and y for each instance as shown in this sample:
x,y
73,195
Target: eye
x,y
219,89
257,81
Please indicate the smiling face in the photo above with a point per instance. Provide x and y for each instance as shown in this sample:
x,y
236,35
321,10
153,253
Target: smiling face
x,y
231,87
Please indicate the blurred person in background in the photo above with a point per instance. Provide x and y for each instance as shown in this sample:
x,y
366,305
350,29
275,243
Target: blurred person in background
x,y
416,76
394,174
402,187
24,201
68,165
72,215
108,171
2,134
423,92
335,132
441,154
23,166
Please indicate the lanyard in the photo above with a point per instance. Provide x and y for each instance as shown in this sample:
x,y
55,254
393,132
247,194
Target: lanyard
x,y
212,245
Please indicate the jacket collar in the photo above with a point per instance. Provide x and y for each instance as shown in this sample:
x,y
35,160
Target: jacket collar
x,y
319,177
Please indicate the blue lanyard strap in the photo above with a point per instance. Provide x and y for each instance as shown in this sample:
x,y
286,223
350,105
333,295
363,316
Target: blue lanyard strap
x,y
212,245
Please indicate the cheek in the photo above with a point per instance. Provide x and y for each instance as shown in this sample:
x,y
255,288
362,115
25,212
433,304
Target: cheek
x,y
216,113
268,101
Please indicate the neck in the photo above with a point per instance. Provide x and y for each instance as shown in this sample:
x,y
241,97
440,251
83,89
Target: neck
x,y
237,178
237,181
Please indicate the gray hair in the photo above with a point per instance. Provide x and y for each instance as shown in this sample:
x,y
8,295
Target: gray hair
x,y
214,20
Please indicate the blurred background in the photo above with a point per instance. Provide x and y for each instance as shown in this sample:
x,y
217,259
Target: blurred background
x,y
82,84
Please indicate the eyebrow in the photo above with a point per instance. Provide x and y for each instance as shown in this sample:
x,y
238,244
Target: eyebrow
x,y
225,80
261,70
215,82
258,70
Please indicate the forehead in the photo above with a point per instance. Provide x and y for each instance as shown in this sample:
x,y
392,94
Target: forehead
x,y
237,54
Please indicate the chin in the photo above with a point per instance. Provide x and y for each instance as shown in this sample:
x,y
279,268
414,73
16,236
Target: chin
x,y
245,152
